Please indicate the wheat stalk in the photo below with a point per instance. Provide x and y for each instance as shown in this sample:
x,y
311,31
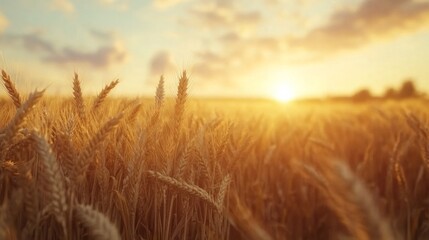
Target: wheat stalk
x,y
103,94
159,101
97,224
83,159
78,97
184,187
159,96
3,225
31,209
222,191
52,178
363,198
11,89
65,152
18,120
241,218
184,163
179,108
134,113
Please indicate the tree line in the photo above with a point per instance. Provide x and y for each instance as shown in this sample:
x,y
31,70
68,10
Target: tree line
x,y
407,90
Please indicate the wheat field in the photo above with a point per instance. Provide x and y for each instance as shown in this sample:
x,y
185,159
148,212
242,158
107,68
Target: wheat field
x,y
84,167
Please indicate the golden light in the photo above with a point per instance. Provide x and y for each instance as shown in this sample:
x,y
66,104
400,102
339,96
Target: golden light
x,y
283,93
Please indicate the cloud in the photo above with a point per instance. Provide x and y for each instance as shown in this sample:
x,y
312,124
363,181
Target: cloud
x,y
240,56
372,21
166,3
103,35
223,15
65,6
112,52
162,63
3,22
31,41
103,57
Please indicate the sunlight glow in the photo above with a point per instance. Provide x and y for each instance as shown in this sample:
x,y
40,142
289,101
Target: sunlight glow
x,y
284,93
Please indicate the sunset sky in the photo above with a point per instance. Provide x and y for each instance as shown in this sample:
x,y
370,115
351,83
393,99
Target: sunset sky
x,y
229,47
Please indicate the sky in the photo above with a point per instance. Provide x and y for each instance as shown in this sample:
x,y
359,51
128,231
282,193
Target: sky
x,y
230,48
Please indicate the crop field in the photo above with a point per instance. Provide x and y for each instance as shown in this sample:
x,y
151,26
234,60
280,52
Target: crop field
x,y
100,167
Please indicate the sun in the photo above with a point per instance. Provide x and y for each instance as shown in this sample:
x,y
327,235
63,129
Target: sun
x,y
283,93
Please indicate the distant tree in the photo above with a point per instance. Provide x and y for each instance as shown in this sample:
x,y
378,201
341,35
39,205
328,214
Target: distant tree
x,y
408,89
390,93
362,95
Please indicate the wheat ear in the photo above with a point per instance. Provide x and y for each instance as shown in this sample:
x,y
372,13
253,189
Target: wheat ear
x,y
184,187
19,119
222,191
179,108
78,97
103,94
363,198
134,113
98,225
159,96
53,181
11,89
84,158
159,101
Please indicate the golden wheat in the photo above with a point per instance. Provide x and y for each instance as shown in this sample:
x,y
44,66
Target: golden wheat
x,y
103,94
78,97
11,89
203,169
98,226
192,190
